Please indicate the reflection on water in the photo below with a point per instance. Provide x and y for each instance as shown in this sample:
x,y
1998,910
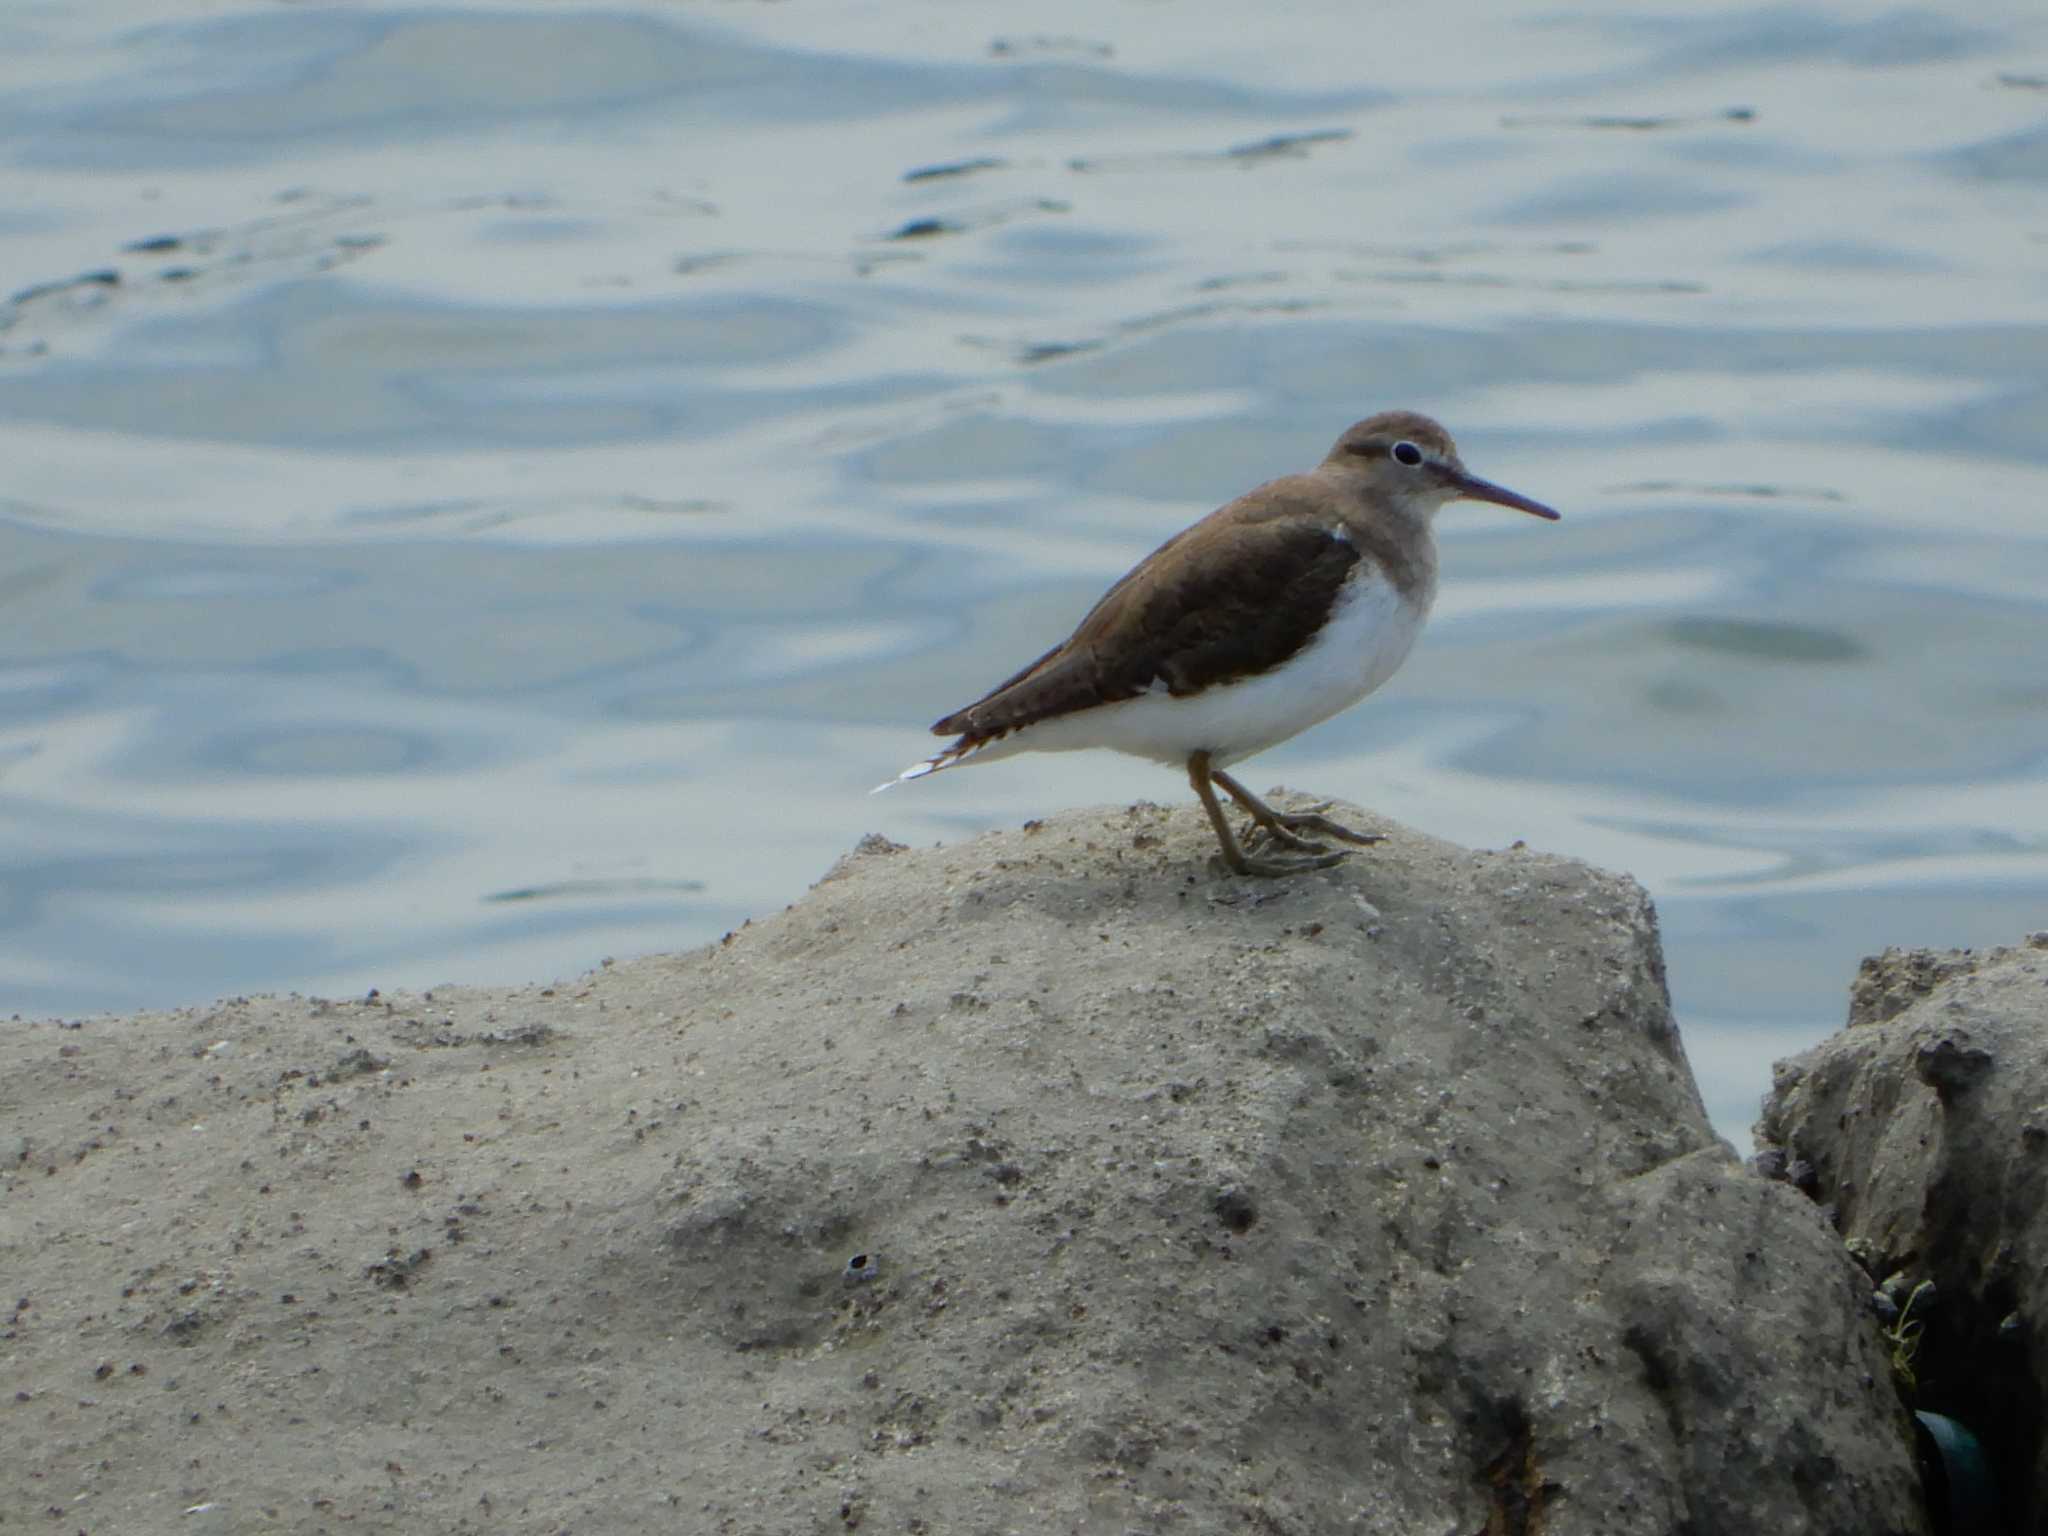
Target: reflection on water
x,y
489,490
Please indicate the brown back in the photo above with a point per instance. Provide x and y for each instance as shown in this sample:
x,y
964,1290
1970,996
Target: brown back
x,y
1238,593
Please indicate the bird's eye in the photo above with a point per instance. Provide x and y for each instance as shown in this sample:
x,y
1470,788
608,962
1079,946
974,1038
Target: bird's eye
x,y
1405,452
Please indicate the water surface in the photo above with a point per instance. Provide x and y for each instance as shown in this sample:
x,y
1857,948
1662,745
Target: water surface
x,y
489,488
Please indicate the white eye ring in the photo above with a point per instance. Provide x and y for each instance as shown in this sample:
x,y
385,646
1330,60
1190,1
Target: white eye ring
x,y
1405,452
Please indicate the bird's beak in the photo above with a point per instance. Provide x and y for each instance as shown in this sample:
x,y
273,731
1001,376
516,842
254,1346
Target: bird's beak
x,y
1472,488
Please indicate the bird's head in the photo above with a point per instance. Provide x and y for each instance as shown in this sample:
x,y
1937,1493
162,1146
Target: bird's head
x,y
1409,463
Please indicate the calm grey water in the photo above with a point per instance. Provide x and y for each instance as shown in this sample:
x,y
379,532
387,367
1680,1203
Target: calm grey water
x,y
488,488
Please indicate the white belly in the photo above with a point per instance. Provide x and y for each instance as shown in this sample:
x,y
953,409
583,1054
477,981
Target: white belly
x,y
1369,634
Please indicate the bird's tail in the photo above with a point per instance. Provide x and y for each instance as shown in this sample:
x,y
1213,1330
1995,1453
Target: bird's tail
x,y
914,771
963,749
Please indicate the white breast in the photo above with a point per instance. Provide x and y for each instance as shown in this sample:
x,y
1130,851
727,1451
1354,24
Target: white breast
x,y
1368,636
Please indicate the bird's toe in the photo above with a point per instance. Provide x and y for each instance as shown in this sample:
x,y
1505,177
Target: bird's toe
x,y
1311,821
1257,838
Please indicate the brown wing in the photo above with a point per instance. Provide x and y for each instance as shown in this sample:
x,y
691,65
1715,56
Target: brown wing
x,y
1241,591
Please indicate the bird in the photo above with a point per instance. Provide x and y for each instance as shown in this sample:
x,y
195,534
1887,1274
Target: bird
x,y
1268,616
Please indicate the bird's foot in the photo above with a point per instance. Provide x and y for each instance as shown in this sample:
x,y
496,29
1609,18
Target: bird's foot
x,y
1276,829
1286,827
1249,862
1257,838
1312,820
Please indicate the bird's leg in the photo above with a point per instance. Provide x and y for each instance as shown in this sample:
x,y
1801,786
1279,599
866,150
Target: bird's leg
x,y
1284,827
1200,775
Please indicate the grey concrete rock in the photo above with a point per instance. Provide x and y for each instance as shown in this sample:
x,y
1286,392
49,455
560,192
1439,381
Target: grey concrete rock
x,y
1926,1121
1047,1183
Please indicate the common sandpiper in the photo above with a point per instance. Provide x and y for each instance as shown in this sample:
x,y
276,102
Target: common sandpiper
x,y
1268,616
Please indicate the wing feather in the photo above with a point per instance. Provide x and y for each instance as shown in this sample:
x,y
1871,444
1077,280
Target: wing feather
x,y
1238,593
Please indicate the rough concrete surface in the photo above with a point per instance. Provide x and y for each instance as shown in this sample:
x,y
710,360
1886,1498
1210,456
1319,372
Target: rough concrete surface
x,y
1046,1183
1924,1127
